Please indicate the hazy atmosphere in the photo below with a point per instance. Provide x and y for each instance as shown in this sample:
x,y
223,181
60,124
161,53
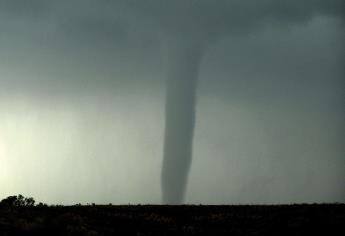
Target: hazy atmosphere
x,y
172,101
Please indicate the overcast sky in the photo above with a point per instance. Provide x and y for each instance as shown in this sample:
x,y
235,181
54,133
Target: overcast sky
x,y
82,94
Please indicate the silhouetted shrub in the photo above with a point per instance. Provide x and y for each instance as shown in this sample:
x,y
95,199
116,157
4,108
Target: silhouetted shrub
x,y
29,201
9,201
42,205
17,201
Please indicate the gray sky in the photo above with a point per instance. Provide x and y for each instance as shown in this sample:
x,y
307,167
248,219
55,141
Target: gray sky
x,y
82,90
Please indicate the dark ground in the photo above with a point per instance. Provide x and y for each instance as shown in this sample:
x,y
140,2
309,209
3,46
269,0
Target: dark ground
x,y
315,219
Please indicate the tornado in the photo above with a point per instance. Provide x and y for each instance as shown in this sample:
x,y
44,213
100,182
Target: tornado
x,y
184,61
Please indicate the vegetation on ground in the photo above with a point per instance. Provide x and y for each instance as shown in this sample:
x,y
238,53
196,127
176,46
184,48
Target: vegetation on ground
x,y
21,216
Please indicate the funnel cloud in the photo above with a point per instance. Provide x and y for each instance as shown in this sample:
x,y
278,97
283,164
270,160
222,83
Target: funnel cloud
x,y
184,63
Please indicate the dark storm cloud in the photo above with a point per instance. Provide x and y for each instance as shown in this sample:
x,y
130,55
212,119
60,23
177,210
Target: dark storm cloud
x,y
216,17
94,30
281,64
22,8
126,24
128,28
204,16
